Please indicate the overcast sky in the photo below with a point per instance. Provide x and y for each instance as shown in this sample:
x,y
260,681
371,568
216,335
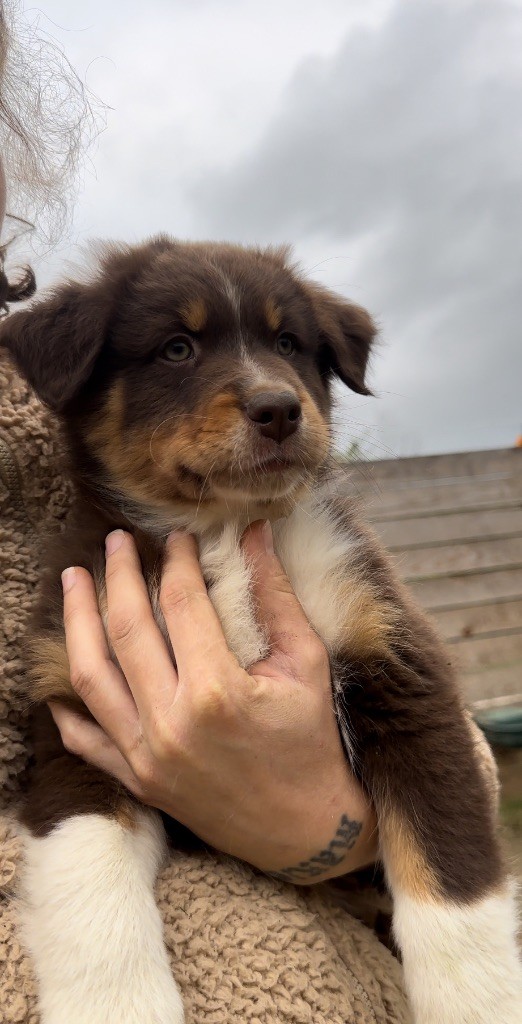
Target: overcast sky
x,y
383,139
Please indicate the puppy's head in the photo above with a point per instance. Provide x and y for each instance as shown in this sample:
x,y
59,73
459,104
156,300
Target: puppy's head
x,y
193,373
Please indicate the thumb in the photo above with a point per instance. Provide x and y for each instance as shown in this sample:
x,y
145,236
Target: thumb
x,y
278,610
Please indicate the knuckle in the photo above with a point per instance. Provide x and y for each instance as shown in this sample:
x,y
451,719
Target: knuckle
x,y
145,774
122,629
260,692
112,573
161,741
113,565
70,737
280,583
83,681
174,598
143,767
211,701
284,584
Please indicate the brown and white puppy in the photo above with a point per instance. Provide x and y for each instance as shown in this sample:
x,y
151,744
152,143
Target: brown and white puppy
x,y
193,382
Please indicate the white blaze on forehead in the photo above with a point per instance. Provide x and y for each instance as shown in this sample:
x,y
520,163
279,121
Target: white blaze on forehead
x,y
257,376
233,294
231,291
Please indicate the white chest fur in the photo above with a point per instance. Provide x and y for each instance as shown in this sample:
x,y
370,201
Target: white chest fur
x,y
315,552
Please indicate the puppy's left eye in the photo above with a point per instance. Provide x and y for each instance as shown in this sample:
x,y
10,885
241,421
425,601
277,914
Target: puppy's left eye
x,y
286,344
178,349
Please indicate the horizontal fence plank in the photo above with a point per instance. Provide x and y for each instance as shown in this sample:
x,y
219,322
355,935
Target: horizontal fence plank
x,y
487,652
461,590
491,682
497,553
429,467
404,515
459,493
476,620
443,529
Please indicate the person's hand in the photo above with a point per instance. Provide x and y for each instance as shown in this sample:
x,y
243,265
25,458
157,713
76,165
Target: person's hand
x,y
250,761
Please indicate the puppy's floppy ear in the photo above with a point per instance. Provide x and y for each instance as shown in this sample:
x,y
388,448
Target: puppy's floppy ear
x,y
55,342
347,332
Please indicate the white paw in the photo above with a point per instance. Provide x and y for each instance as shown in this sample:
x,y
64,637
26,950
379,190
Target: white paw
x,y
155,1000
461,963
92,926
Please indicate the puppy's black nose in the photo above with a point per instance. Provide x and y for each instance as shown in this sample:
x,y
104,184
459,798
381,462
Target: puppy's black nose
x,y
276,414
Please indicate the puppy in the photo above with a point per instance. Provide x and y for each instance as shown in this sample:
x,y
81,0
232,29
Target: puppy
x,y
193,383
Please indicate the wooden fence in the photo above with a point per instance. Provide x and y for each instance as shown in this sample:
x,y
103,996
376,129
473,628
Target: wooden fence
x,y
454,526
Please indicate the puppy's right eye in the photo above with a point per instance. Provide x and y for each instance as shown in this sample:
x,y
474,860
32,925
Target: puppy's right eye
x,y
178,349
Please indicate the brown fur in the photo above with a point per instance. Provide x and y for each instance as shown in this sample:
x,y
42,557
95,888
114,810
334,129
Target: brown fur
x,y
49,669
61,785
412,740
149,440
273,315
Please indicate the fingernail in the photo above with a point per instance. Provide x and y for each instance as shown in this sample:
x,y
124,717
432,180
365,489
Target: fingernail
x,y
113,541
268,537
68,579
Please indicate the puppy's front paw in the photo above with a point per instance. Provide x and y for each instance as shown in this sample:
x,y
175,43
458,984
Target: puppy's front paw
x,y
92,925
461,962
152,998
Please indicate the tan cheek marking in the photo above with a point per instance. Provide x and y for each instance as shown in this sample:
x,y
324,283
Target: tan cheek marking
x,y
148,474
49,670
131,462
406,863
194,314
127,455
315,421
218,412
109,424
208,431
273,315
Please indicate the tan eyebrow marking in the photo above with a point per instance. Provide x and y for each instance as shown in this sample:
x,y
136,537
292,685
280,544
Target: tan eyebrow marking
x,y
273,314
194,314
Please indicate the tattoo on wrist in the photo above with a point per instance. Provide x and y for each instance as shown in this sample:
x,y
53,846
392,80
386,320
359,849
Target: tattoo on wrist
x,y
343,840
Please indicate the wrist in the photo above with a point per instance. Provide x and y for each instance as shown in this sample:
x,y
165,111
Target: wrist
x,y
344,840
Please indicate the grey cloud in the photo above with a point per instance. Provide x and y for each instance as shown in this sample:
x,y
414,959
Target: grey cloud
x,y
406,148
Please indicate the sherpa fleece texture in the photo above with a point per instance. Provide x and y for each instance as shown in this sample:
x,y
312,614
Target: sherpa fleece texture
x,y
245,949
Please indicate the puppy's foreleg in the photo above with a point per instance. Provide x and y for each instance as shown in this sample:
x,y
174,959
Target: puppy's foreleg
x,y
454,906
459,952
460,960
91,923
